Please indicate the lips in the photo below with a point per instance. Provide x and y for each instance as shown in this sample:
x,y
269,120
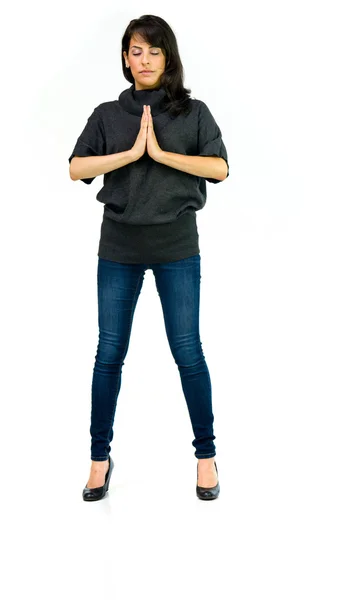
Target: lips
x,y
146,71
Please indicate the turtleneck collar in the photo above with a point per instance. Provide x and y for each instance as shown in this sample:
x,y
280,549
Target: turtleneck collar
x,y
132,100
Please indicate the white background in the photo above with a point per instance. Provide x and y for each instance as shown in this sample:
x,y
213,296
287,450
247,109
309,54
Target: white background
x,y
267,72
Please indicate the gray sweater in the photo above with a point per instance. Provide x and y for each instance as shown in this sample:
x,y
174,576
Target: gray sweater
x,y
149,208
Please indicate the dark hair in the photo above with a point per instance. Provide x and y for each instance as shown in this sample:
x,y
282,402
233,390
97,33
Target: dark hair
x,y
156,32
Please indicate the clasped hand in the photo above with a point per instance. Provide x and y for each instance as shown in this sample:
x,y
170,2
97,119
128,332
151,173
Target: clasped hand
x,y
146,139
152,146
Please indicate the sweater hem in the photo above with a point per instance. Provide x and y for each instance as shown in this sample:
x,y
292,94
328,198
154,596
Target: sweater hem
x,y
108,253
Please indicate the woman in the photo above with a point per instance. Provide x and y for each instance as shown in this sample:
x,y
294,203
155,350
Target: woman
x,y
156,147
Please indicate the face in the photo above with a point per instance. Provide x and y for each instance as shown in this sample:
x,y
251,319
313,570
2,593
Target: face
x,y
142,57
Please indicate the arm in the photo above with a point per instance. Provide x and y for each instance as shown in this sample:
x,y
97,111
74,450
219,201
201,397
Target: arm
x,y
83,167
201,166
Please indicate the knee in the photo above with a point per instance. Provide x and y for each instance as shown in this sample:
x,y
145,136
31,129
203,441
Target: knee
x,y
188,355
110,353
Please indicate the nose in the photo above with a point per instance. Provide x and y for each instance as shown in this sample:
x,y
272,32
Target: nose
x,y
145,60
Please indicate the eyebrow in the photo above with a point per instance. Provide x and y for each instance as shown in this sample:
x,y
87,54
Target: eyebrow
x,y
140,48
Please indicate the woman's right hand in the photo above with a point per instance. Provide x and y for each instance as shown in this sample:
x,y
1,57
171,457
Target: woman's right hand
x,y
138,149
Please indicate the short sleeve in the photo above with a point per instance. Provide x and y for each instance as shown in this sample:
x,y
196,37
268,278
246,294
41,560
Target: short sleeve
x,y
91,141
210,141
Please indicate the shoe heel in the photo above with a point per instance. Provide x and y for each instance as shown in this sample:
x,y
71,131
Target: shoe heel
x,y
111,466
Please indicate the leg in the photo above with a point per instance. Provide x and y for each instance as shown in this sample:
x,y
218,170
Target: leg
x,y
119,286
178,285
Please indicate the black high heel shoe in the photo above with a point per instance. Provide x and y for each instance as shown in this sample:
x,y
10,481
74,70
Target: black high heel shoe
x,y
90,494
209,493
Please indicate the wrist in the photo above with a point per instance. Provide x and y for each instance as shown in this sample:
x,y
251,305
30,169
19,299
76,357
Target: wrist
x,y
159,157
133,155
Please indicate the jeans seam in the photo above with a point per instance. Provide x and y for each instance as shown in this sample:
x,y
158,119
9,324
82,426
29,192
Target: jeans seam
x,y
100,457
206,455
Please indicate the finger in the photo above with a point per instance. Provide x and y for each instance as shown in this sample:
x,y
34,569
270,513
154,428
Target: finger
x,y
144,119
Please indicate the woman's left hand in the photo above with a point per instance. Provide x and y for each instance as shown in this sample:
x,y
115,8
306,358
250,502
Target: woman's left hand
x,y
152,146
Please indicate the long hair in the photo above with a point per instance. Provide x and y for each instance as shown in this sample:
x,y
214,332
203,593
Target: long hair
x,y
156,32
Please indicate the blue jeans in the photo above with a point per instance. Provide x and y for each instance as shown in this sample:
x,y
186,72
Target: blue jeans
x,y
178,286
